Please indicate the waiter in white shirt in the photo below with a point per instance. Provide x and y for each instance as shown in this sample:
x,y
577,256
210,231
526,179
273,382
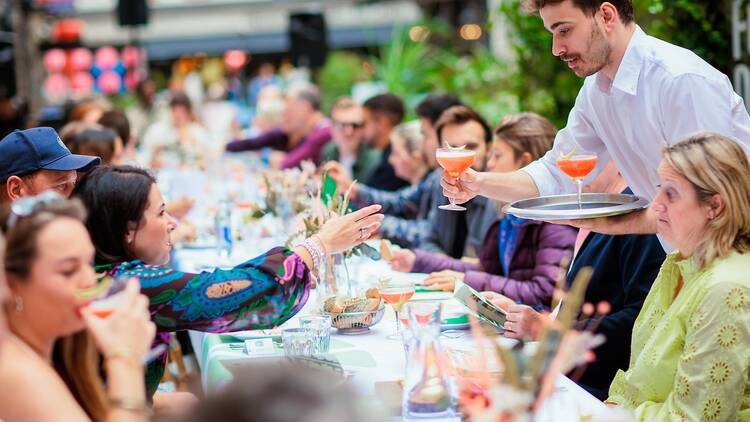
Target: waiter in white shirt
x,y
640,94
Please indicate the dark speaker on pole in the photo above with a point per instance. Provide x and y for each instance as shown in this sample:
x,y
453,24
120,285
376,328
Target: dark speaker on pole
x,y
132,12
308,39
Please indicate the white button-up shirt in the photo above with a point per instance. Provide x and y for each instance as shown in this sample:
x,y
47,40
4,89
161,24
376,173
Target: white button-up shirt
x,y
661,94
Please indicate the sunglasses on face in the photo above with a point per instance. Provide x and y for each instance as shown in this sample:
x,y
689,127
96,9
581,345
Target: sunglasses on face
x,y
25,207
344,125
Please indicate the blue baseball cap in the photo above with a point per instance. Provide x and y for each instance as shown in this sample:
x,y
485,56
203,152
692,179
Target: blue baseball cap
x,y
25,151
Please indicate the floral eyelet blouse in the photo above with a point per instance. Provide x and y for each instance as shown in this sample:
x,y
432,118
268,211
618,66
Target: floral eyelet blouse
x,y
257,294
690,354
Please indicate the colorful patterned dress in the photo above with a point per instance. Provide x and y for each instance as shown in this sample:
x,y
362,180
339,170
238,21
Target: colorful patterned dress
x,y
690,354
260,293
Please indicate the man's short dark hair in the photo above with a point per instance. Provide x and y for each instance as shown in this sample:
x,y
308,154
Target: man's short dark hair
x,y
458,115
117,121
388,105
435,104
589,7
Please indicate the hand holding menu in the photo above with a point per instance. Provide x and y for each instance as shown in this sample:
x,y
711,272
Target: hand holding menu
x,y
480,306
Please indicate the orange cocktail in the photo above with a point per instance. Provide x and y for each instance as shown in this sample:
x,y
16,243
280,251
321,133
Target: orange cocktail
x,y
577,167
396,294
454,162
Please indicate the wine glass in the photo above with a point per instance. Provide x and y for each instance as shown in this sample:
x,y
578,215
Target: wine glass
x,y
454,162
396,293
106,295
577,166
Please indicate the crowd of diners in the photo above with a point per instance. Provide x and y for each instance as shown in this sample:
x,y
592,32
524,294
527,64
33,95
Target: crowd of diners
x,y
82,204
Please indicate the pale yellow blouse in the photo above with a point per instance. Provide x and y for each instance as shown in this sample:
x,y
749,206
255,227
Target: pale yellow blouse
x,y
690,354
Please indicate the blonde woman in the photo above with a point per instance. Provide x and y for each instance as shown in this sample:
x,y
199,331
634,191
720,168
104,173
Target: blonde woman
x,y
49,368
406,209
690,353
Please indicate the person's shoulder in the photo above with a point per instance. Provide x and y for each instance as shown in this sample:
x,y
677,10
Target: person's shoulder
x,y
676,64
330,152
24,372
730,269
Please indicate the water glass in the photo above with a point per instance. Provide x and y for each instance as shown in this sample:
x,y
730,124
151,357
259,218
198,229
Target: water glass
x,y
297,341
320,326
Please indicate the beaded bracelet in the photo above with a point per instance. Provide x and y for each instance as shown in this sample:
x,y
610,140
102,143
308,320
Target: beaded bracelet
x,y
315,248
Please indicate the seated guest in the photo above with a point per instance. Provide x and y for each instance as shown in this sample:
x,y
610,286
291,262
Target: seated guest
x,y
303,133
49,369
179,140
118,121
408,209
356,159
285,393
520,258
381,114
35,160
101,142
429,111
4,296
624,267
690,352
461,233
132,235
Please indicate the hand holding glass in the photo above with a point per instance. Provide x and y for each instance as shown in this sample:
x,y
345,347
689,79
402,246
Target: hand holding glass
x,y
454,162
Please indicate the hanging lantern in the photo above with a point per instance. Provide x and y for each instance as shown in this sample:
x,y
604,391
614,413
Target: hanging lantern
x,y
67,31
109,82
106,57
132,79
81,84
55,88
234,59
80,59
131,56
54,60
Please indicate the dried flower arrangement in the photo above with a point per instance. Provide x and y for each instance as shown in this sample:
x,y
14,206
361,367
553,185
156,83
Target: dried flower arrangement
x,y
527,381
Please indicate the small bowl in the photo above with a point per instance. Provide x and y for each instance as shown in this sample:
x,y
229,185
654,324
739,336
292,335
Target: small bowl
x,y
356,322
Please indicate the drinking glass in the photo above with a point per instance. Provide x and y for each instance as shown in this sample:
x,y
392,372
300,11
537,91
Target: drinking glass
x,y
396,293
577,166
454,162
320,326
297,341
106,295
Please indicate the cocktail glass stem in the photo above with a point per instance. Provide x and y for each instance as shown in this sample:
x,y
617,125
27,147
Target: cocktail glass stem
x,y
398,323
579,182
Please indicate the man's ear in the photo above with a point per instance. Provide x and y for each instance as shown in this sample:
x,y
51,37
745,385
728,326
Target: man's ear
x,y
15,188
609,15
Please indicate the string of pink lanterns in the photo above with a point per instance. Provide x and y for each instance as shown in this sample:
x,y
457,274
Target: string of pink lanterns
x,y
79,72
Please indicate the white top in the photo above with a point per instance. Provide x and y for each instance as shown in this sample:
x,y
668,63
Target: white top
x,y
661,94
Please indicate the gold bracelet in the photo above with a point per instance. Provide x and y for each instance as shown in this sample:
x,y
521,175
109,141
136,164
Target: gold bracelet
x,y
126,355
131,405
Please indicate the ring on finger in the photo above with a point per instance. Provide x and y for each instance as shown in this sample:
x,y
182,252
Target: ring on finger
x,y
361,233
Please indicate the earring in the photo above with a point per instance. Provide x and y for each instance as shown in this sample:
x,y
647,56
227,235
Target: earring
x,y
19,304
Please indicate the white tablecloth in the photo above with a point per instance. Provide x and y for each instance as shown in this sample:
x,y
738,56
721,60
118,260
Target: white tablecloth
x,y
569,402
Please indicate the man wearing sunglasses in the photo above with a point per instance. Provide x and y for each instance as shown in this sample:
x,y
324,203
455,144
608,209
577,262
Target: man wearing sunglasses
x,y
35,160
348,149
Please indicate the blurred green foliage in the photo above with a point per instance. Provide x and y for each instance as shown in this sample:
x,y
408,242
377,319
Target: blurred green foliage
x,y
536,80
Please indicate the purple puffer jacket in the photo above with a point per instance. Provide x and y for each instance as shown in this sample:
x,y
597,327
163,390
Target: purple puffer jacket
x,y
534,268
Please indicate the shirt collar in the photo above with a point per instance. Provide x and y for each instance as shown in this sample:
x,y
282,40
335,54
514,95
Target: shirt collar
x,y
626,79
688,267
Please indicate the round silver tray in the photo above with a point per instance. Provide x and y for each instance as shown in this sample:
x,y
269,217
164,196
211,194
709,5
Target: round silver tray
x,y
565,207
